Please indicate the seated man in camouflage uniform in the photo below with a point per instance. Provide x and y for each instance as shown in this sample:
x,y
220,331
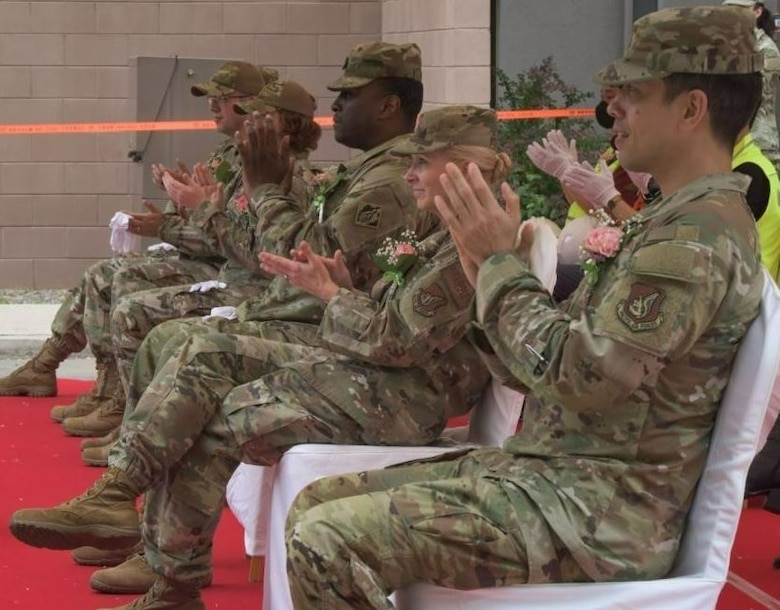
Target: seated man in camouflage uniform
x,y
627,377
84,317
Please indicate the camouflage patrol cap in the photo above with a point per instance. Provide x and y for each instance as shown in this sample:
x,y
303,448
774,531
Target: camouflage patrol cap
x,y
280,95
450,126
370,61
236,77
692,40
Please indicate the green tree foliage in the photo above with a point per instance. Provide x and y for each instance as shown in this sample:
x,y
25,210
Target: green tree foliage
x,y
542,87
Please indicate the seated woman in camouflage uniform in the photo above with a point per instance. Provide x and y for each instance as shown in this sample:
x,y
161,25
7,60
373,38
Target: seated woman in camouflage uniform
x,y
392,367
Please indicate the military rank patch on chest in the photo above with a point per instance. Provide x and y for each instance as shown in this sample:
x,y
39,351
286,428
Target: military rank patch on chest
x,y
427,301
642,309
369,215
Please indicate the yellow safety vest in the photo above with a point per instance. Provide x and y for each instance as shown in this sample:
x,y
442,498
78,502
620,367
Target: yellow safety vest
x,y
747,151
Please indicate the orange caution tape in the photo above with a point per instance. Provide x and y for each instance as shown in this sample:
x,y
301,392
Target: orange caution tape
x,y
49,128
551,113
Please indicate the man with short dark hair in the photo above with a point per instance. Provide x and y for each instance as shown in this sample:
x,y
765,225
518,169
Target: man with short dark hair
x,y
626,378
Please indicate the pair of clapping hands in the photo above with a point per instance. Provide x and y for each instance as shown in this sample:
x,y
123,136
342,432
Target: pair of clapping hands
x,y
558,157
478,224
186,189
265,156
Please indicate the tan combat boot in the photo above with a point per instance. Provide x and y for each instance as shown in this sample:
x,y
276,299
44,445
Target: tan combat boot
x,y
104,516
107,416
37,377
99,441
133,576
164,596
91,556
84,404
97,456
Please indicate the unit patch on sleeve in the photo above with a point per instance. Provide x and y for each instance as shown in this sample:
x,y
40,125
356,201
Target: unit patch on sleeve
x,y
642,309
369,215
427,301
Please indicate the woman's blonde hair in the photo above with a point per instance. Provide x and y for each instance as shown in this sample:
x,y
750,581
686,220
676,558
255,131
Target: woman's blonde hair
x,y
494,165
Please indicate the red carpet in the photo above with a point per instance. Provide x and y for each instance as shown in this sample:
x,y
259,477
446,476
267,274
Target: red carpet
x,y
40,466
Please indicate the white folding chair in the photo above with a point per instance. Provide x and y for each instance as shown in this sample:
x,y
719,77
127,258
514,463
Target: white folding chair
x,y
701,568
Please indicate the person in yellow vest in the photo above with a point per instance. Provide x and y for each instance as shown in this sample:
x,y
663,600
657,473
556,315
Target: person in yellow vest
x,y
584,184
762,197
587,189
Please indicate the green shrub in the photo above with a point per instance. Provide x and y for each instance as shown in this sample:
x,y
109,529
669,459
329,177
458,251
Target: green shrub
x,y
542,87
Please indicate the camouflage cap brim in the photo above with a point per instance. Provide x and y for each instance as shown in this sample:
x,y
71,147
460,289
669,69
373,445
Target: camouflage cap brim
x,y
620,72
349,82
254,105
410,146
211,89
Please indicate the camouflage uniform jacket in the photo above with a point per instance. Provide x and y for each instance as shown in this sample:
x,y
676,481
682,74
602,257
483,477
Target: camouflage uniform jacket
x,y
764,128
236,235
405,347
628,378
369,202
225,163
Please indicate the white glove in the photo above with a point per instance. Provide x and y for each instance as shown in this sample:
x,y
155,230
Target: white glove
x,y
207,286
227,311
596,186
640,179
549,158
122,241
557,140
162,247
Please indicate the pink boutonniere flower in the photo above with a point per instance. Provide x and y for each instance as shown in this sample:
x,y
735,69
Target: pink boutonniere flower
x,y
241,202
604,242
397,256
323,184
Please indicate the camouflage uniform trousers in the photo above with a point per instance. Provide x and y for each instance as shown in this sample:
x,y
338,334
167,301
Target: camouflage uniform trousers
x,y
136,314
68,324
164,340
353,539
185,436
108,280
175,441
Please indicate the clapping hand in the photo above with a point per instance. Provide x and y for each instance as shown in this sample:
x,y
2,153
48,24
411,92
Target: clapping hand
x,y
317,275
265,153
185,193
597,188
146,224
159,170
479,226
554,155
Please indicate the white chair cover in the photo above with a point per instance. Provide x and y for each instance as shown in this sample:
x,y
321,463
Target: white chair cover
x,y
702,564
